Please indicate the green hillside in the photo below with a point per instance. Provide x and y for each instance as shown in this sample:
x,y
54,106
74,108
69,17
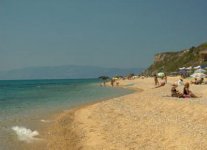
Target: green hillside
x,y
171,61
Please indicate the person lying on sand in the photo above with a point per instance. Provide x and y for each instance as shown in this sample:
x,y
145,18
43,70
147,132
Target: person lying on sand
x,y
200,81
175,92
194,82
161,84
187,93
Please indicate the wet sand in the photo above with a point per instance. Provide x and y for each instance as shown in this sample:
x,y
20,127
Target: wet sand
x,y
150,120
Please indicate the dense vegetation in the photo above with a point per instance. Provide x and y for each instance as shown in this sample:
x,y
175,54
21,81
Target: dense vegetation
x,y
171,61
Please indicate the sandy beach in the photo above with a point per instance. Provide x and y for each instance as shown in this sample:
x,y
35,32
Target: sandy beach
x,y
148,119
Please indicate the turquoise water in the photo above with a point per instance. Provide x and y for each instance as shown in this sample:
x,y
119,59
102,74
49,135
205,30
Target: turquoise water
x,y
26,104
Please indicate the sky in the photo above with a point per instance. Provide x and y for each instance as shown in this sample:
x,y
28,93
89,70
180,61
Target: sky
x,y
105,33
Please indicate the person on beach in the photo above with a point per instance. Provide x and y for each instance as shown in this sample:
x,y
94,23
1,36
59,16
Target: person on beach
x,y
200,81
165,78
195,81
187,93
156,80
161,84
180,82
175,92
117,83
112,82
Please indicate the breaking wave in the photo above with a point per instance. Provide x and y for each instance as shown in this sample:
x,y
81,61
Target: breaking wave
x,y
25,134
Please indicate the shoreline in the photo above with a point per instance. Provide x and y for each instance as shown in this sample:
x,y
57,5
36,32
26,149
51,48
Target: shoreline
x,y
42,117
69,115
139,120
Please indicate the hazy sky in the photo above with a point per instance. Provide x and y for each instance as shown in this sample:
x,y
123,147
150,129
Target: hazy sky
x,y
110,33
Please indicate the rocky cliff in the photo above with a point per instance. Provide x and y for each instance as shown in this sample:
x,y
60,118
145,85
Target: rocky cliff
x,y
171,61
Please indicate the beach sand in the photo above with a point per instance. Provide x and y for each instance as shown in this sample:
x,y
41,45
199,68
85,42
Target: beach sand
x,y
146,120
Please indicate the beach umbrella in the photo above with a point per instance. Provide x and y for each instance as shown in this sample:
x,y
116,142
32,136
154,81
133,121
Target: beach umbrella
x,y
189,68
200,71
197,67
115,78
161,74
182,68
198,75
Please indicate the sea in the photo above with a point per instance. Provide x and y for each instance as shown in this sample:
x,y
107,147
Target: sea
x,y
27,105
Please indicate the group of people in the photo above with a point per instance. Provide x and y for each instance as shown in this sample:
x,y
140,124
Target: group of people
x,y
113,81
198,81
186,91
174,92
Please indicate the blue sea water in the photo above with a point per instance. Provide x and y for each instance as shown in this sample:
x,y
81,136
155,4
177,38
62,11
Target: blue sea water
x,y
26,104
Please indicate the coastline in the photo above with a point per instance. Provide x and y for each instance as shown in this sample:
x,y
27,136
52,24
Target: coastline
x,y
64,125
142,120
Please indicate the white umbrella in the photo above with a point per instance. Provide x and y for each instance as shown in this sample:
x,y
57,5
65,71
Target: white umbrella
x,y
198,75
189,68
200,71
198,67
161,74
115,78
182,68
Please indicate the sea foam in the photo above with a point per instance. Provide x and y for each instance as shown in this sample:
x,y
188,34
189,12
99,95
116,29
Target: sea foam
x,y
25,134
45,121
